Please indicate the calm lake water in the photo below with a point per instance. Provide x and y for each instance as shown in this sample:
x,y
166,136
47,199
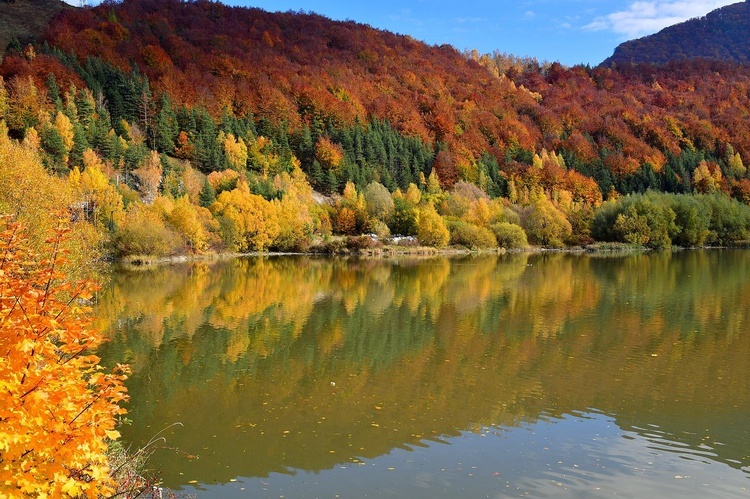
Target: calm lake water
x,y
490,376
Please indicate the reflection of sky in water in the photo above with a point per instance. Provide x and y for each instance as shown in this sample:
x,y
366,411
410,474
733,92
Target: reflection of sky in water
x,y
578,456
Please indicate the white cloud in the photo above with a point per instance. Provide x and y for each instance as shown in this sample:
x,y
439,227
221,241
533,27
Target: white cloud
x,y
646,17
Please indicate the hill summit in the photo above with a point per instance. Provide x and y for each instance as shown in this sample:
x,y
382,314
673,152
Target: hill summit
x,y
723,34
26,20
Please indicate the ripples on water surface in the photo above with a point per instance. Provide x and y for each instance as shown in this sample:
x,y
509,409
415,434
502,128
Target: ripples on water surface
x,y
540,375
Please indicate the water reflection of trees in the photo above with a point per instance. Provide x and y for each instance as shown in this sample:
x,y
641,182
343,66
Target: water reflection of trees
x,y
420,349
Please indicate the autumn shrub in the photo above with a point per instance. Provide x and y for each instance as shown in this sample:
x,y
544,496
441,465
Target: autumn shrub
x,y
509,236
379,228
186,218
543,223
470,235
143,232
58,409
248,222
295,225
431,229
404,220
692,218
379,202
359,243
641,219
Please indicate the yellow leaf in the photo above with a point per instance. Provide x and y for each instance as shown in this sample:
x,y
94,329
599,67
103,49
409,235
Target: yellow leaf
x,y
112,434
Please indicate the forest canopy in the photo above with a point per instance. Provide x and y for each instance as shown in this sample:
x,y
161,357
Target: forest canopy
x,y
184,126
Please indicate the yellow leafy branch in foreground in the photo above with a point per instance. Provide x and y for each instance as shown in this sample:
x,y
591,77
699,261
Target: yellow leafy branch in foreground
x,y
58,409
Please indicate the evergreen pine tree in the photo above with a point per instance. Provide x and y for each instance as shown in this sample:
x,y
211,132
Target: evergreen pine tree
x,y
53,145
53,92
207,195
80,144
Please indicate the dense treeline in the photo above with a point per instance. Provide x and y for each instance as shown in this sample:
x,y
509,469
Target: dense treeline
x,y
129,199
406,139
298,71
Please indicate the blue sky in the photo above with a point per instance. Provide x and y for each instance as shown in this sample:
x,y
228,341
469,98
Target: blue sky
x,y
569,31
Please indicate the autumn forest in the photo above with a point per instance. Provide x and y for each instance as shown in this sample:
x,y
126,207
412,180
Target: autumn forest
x,y
186,127
159,128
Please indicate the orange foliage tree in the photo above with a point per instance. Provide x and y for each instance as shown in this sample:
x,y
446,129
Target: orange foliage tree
x,y
58,409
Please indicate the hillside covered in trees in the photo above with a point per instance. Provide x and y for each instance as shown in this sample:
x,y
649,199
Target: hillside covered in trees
x,y
188,126
723,34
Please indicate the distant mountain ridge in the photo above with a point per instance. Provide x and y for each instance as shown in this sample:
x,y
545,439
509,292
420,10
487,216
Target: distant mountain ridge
x,y
723,34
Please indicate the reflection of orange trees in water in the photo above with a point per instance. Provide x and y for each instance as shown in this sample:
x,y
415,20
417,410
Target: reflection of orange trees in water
x,y
253,300
554,289
263,303
434,362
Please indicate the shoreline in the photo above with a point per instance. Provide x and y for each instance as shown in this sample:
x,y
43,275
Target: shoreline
x,y
385,252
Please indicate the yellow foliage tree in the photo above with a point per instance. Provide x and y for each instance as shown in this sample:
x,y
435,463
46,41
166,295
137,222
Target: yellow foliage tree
x,y
345,221
27,190
433,183
736,166
261,157
58,409
479,213
25,105
249,222
149,176
31,139
354,202
186,219
328,153
707,179
350,193
295,224
236,152
193,181
64,127
98,197
3,99
543,222
225,180
431,229
33,196
413,194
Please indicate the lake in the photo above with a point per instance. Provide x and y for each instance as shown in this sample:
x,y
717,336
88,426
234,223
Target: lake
x,y
539,375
